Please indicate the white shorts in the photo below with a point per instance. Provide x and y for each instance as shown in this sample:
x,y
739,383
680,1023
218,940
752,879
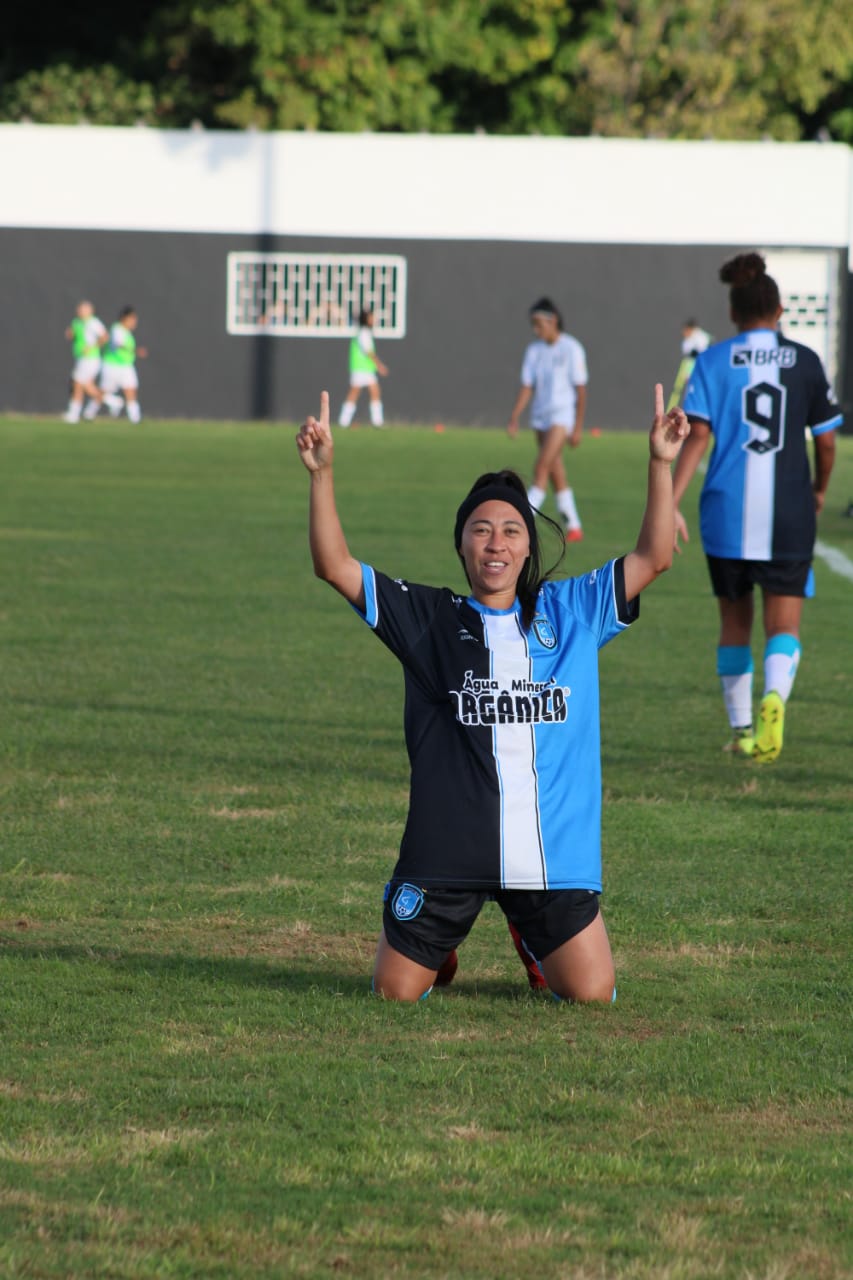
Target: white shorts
x,y
365,379
119,377
85,369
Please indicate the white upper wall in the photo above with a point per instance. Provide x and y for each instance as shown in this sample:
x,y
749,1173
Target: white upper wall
x,y
387,186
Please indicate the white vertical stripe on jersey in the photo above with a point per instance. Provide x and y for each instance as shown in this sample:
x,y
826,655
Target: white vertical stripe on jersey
x,y
514,746
759,482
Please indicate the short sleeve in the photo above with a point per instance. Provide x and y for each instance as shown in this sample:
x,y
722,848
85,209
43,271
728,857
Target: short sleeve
x,y
398,612
824,413
597,600
580,376
528,367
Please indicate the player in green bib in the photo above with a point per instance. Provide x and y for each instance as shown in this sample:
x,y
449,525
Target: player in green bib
x,y
87,336
118,376
364,366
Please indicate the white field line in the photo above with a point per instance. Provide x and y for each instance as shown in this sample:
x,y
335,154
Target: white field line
x,y
836,560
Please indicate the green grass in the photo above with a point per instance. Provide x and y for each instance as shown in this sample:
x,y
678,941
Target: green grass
x,y
202,787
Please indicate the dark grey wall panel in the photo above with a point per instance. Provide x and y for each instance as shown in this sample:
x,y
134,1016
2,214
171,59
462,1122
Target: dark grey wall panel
x,y
467,324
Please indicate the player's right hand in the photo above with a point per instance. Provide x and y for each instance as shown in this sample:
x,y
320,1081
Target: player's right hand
x,y
314,438
680,530
512,427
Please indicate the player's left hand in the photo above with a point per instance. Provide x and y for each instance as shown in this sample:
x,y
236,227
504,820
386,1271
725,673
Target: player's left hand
x,y
669,430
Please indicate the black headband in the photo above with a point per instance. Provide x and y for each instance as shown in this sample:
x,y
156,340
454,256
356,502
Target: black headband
x,y
494,493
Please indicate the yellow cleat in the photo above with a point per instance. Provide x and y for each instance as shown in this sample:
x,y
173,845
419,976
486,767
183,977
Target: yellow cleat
x,y
771,728
742,743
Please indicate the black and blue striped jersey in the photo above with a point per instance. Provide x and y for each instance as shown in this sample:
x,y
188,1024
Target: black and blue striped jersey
x,y
502,730
759,391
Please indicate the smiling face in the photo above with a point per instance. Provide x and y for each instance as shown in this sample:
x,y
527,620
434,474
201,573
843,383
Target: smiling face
x,y
495,546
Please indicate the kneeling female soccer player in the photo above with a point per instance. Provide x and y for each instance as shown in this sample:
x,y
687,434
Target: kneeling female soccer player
x,y
502,722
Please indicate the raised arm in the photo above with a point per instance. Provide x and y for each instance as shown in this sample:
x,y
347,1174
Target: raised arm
x,y
329,551
653,552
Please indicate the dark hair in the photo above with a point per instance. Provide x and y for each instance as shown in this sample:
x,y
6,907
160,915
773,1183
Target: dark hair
x,y
363,315
125,312
545,304
753,294
532,575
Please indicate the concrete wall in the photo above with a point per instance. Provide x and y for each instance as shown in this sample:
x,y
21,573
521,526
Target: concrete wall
x,y
626,236
460,359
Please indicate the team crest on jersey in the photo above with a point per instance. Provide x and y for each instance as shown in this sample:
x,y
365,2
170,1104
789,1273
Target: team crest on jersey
x,y
407,902
544,632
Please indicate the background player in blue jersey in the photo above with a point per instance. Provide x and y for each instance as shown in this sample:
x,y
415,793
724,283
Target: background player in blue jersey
x,y
757,393
554,375
501,722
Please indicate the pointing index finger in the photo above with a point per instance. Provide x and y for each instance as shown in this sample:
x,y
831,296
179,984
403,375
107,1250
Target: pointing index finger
x,y
658,400
324,410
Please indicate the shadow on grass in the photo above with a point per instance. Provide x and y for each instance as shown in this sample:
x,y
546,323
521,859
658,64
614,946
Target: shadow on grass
x,y
300,978
303,742
235,970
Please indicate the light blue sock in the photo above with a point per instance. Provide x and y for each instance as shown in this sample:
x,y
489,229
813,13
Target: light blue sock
x,y
781,660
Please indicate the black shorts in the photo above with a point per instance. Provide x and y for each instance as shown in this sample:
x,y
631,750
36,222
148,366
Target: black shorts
x,y
734,579
427,924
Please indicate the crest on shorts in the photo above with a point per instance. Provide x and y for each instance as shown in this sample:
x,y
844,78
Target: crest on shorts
x,y
407,902
544,632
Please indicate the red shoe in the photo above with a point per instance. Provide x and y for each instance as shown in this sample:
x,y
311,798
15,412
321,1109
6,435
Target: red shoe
x,y
574,535
534,974
447,972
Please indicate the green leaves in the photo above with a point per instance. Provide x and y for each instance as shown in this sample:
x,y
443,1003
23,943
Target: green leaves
x,y
94,95
726,69
669,68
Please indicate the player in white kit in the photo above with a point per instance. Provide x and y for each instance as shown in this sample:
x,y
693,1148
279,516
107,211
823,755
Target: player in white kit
x,y
554,377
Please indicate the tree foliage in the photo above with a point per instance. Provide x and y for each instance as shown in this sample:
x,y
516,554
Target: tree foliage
x,y
672,68
712,68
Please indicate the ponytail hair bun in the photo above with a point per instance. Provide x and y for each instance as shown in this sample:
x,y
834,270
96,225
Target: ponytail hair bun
x,y
743,269
753,295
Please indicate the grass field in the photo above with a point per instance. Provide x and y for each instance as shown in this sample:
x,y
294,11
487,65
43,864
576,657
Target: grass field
x,y
203,783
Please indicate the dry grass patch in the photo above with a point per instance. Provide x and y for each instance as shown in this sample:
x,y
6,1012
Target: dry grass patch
x,y
474,1221
461,1034
133,1142
41,1208
51,1152
83,799
237,815
469,1133
14,1089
